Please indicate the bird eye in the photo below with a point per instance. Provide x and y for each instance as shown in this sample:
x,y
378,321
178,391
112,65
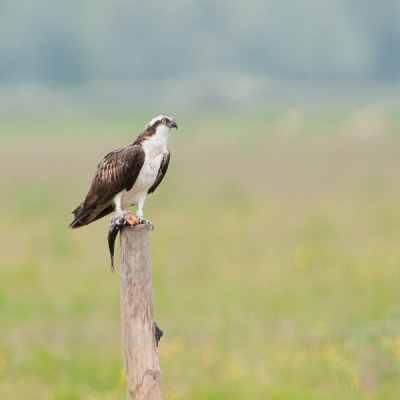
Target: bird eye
x,y
164,121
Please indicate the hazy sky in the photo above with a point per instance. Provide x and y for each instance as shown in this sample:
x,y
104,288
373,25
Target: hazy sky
x,y
194,43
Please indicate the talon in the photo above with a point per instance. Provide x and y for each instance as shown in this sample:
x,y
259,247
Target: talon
x,y
149,224
118,218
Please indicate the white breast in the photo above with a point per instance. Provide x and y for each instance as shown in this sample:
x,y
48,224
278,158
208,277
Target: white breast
x,y
154,149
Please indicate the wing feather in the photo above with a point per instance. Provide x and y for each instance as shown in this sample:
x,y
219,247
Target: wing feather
x,y
117,171
162,171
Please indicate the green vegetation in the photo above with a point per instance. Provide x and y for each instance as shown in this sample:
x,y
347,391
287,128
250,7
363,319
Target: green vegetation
x,y
275,258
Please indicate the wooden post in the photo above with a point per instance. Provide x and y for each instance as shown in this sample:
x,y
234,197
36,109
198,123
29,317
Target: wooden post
x,y
142,370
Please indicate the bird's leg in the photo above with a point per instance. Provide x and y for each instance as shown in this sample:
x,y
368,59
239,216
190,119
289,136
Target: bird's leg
x,y
121,216
118,217
139,216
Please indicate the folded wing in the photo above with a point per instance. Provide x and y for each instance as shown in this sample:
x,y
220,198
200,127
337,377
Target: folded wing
x,y
117,171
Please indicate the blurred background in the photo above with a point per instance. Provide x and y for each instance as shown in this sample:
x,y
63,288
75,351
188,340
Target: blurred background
x,y
275,256
124,55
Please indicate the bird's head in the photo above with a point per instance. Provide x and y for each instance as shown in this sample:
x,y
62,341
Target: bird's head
x,y
162,122
159,127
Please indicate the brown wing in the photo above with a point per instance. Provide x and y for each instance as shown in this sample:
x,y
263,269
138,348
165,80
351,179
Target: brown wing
x,y
117,171
162,171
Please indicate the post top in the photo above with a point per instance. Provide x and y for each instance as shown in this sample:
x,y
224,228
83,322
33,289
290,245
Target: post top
x,y
138,228
135,229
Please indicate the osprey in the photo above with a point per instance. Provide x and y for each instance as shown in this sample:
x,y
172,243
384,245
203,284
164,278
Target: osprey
x,y
125,177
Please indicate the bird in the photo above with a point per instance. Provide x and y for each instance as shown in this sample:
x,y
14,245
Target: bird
x,y
125,177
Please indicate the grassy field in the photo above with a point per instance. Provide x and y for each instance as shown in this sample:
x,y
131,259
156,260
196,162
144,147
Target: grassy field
x,y
275,258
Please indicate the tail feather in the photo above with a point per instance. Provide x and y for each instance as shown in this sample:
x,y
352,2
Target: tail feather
x,y
77,209
84,215
81,213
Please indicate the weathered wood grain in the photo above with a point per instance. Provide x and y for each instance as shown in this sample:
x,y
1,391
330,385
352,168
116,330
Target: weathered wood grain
x,y
142,369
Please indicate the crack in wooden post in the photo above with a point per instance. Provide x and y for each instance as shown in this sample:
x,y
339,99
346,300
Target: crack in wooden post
x,y
141,366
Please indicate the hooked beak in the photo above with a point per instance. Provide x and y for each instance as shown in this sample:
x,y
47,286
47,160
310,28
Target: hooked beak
x,y
173,124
